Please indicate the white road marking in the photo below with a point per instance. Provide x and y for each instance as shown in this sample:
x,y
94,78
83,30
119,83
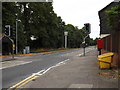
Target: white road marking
x,y
38,73
44,71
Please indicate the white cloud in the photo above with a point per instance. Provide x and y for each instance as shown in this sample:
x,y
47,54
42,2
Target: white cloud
x,y
78,12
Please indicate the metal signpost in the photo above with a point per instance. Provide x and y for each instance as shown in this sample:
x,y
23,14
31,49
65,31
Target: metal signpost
x,y
66,34
84,44
16,35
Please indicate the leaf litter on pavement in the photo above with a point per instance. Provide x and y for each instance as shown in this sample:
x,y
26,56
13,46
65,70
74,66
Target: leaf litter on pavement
x,y
109,74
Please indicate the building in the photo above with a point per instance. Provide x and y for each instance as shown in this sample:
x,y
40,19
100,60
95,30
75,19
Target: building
x,y
111,36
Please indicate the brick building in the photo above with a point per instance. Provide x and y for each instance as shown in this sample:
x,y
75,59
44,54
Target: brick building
x,y
110,36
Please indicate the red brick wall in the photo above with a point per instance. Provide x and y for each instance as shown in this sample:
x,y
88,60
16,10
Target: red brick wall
x,y
112,44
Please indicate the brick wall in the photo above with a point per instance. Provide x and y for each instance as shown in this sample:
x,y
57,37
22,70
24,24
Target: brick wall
x,y
112,44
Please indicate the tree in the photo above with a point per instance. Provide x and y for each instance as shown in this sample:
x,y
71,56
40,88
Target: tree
x,y
114,17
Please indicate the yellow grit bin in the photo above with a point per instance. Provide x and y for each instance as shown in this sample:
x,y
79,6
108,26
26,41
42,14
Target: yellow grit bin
x,y
105,60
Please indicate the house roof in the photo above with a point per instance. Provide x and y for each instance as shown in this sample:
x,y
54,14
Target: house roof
x,y
112,3
116,1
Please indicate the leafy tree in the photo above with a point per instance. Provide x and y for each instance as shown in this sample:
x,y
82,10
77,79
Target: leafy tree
x,y
114,17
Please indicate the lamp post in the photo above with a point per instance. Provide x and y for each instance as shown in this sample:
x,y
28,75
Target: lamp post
x,y
66,34
17,5
17,33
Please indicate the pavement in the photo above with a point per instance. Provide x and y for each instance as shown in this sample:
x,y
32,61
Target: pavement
x,y
79,72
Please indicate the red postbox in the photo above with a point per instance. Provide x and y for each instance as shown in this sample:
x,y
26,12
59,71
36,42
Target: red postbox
x,y
100,44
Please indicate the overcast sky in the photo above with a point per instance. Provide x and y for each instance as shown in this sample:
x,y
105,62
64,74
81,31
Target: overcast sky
x,y
78,12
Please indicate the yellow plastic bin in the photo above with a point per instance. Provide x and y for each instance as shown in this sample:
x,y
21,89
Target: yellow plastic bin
x,y
105,60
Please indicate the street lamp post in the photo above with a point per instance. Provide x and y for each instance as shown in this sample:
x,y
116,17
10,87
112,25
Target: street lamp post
x,y
17,5
66,34
17,20
16,36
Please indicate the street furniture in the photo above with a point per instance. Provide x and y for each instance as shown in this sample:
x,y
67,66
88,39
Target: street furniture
x,y
105,60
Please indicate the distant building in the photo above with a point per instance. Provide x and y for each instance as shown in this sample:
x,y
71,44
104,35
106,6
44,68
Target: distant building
x,y
110,36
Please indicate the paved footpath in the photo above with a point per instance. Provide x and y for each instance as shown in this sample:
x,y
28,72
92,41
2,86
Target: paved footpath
x,y
80,72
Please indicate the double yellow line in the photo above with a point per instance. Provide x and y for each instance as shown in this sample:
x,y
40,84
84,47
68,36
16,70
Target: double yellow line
x,y
23,82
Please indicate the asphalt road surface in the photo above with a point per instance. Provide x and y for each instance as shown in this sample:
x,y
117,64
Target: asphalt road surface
x,y
19,69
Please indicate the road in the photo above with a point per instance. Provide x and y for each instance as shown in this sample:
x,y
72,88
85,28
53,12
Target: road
x,y
19,69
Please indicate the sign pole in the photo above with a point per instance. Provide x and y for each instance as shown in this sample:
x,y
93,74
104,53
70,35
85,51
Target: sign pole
x,y
66,34
84,44
16,37
84,51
